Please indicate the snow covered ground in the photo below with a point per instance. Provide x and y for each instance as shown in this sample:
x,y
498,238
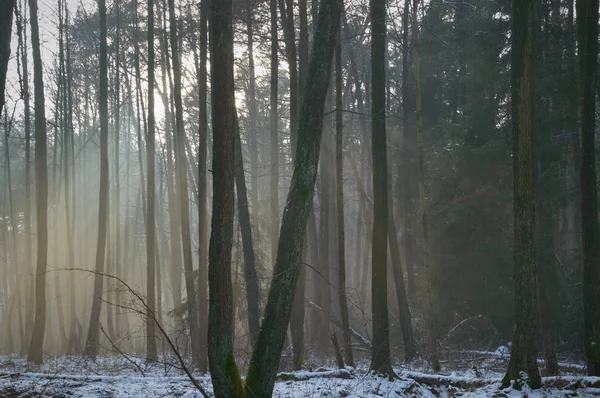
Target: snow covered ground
x,y
116,377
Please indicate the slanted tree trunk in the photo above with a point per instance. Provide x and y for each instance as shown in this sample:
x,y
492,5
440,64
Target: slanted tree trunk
x,y
151,354
36,348
267,352
341,241
524,350
273,124
587,34
403,310
252,114
92,343
252,289
223,369
182,186
6,16
380,354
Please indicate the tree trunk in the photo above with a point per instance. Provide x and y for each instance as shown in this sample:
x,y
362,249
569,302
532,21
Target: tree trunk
x,y
41,172
380,355
91,346
223,369
151,354
408,161
265,357
341,241
403,310
273,125
587,34
430,311
252,288
524,350
202,188
182,185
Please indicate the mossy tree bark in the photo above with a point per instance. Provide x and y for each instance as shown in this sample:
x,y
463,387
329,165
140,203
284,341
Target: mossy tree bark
x,y
267,352
224,373
524,350
92,343
587,34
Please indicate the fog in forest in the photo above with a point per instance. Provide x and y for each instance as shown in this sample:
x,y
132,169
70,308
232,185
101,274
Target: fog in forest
x,y
209,189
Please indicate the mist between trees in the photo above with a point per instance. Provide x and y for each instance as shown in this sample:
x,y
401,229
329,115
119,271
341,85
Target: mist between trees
x,y
278,183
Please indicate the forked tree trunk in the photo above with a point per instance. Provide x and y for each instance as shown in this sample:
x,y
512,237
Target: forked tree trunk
x,y
223,369
267,352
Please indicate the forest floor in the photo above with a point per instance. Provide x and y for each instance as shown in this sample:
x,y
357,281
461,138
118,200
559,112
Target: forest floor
x,y
466,374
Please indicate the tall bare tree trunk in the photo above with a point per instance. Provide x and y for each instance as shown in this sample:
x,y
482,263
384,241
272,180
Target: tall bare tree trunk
x,y
430,311
41,173
380,354
92,343
265,357
587,34
523,356
252,289
224,373
202,188
273,125
182,185
151,354
339,168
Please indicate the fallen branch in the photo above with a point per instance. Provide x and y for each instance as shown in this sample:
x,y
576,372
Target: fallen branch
x,y
303,376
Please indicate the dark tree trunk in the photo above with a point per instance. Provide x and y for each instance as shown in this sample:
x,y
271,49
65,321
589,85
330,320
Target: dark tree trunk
x,y
380,354
151,354
92,343
298,310
41,176
265,358
409,146
341,241
223,370
524,350
273,126
403,310
202,199
252,289
587,34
